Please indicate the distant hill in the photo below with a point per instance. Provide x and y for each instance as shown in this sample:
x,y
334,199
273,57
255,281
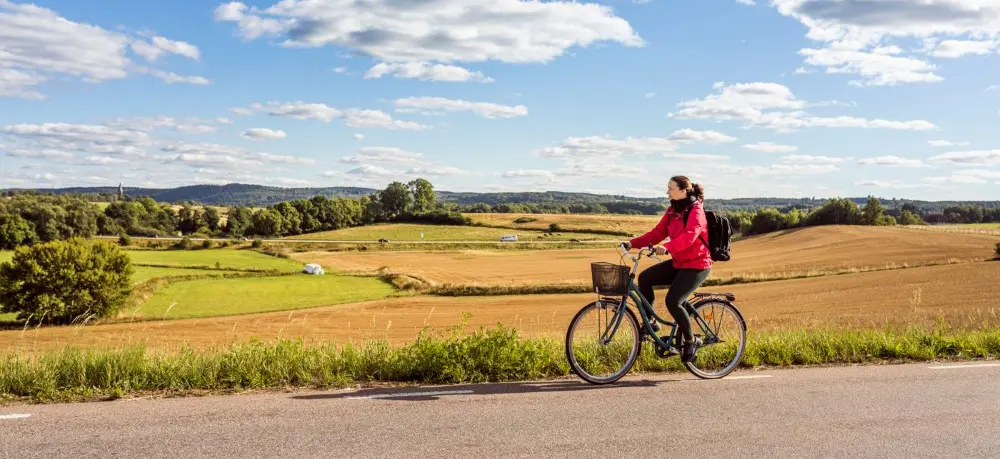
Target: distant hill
x,y
260,195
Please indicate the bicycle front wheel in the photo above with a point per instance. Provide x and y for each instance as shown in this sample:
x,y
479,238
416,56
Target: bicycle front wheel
x,y
724,333
597,351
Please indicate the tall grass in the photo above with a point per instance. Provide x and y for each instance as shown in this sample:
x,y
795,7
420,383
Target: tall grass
x,y
487,355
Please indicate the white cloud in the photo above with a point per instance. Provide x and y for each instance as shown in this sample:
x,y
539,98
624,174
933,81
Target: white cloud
x,y
104,160
974,157
607,146
952,49
15,83
946,143
369,170
195,129
39,45
955,179
172,78
529,173
242,111
263,134
426,72
353,117
509,31
437,171
158,46
856,35
777,169
810,159
384,155
746,2
891,161
340,70
773,106
878,67
430,105
650,95
358,136
771,147
62,132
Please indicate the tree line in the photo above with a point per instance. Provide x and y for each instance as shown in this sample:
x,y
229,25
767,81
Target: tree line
x,y
30,217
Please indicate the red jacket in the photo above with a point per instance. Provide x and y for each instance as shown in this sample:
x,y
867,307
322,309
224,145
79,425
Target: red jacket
x,y
685,245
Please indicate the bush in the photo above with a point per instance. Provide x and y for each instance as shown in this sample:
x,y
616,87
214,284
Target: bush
x,y
525,220
61,281
206,244
124,240
257,244
996,254
555,228
183,244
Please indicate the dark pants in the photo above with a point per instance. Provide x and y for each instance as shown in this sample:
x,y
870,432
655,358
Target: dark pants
x,y
682,282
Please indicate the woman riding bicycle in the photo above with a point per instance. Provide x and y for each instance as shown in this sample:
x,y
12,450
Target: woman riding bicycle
x,y
691,261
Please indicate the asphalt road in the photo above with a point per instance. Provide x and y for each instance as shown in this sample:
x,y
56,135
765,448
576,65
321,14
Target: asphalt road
x,y
922,410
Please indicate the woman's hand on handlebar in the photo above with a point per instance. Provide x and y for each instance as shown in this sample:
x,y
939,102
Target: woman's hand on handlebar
x,y
660,250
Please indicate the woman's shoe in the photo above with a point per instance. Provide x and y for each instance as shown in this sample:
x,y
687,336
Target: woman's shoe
x,y
690,349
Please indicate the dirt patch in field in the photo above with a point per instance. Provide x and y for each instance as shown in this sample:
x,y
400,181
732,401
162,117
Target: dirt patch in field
x,y
828,248
964,294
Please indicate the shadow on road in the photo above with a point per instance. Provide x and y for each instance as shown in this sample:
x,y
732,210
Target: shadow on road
x,y
437,392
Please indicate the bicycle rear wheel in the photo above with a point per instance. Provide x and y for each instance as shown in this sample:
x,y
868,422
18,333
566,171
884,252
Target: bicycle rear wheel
x,y
725,339
597,360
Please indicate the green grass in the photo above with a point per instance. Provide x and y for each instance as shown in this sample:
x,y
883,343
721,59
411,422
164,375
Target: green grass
x,y
227,259
145,273
489,355
221,297
396,232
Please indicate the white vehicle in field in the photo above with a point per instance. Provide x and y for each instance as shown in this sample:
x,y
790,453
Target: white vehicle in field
x,y
509,238
313,268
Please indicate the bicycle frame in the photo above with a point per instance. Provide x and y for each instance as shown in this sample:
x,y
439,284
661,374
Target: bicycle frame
x,y
643,306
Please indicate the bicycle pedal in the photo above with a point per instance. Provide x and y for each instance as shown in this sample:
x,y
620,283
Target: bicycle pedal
x,y
672,351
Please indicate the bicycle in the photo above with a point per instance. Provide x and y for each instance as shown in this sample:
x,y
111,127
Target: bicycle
x,y
615,285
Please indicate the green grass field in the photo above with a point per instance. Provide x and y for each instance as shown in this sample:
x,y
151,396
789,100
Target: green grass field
x,y
399,232
144,273
221,297
227,259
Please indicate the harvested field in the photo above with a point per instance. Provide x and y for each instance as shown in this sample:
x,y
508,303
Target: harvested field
x,y
398,232
964,294
633,224
978,228
816,249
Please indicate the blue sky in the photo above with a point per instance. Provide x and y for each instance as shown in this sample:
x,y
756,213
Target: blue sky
x,y
782,98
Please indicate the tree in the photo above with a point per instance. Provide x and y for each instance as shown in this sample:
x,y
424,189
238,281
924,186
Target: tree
x,y
873,213
909,218
838,211
14,231
238,221
189,220
767,221
395,200
212,218
424,196
62,281
267,222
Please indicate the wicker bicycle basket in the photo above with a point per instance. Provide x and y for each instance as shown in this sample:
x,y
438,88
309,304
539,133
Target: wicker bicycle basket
x,y
609,278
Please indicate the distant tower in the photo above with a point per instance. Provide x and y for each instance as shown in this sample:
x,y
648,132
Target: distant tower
x,y
121,191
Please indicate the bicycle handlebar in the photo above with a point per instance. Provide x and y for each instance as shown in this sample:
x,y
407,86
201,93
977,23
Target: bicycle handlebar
x,y
625,253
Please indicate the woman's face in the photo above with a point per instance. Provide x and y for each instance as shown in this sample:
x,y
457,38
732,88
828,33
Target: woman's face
x,y
675,192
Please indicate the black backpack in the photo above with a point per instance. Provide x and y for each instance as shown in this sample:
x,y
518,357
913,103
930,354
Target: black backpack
x,y
720,233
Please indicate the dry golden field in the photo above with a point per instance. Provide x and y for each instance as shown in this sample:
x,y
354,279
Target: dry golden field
x,y
962,294
815,249
635,224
